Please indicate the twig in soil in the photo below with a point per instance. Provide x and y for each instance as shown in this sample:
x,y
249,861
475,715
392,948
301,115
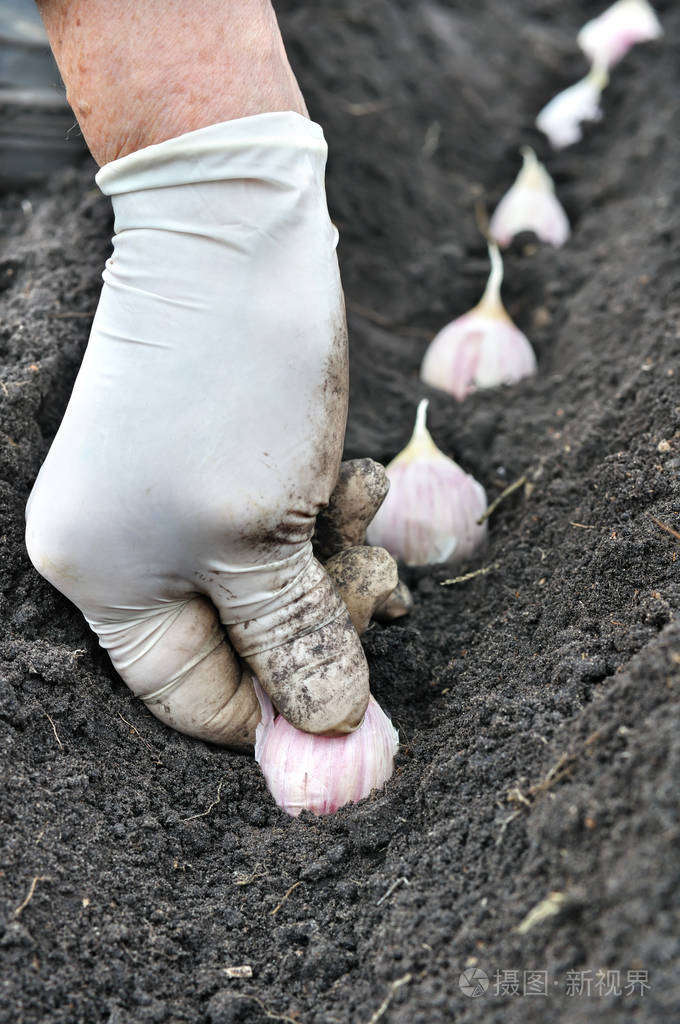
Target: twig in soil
x,y
369,314
553,903
242,971
665,527
266,1012
399,881
369,107
593,738
560,770
390,996
470,575
510,489
482,217
414,332
241,878
431,141
383,321
515,795
276,909
54,730
69,315
138,733
504,825
22,906
12,383
582,526
202,814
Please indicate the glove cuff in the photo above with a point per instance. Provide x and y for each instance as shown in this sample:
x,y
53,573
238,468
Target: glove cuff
x,y
229,150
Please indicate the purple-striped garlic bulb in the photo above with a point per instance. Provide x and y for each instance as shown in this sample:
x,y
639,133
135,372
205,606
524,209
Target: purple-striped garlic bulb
x,y
305,772
561,118
530,204
609,37
432,508
482,348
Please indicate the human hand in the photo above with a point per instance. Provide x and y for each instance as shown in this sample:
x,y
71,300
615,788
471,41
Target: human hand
x,y
204,433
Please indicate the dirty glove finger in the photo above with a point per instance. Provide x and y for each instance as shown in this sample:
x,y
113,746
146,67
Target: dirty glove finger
x,y
207,692
365,577
361,488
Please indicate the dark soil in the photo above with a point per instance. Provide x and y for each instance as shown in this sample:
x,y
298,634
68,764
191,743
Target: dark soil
x,y
537,704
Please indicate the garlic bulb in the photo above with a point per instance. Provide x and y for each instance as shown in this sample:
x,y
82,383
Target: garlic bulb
x,y
432,507
609,37
561,118
480,349
530,205
323,773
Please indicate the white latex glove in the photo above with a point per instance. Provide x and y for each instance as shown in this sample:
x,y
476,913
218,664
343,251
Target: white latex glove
x,y
204,434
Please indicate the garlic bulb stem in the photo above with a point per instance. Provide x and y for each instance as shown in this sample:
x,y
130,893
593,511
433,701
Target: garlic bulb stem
x,y
421,443
420,428
491,302
598,75
533,174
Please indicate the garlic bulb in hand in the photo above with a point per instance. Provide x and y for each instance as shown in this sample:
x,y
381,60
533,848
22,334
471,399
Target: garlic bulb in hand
x,y
433,506
561,118
305,772
480,349
609,37
530,205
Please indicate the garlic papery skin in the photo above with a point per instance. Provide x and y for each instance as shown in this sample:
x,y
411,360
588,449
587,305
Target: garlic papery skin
x,y
561,118
480,349
609,37
530,205
305,772
432,508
